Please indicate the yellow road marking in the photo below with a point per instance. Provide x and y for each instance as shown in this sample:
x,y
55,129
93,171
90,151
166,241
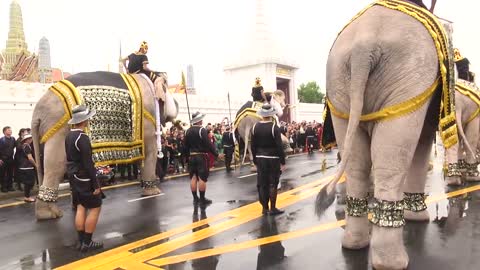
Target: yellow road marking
x,y
280,237
120,256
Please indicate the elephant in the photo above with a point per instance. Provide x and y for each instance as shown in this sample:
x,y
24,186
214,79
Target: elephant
x,y
51,113
467,105
245,121
384,85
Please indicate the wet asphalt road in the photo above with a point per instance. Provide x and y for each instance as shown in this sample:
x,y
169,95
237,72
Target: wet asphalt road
x,y
451,240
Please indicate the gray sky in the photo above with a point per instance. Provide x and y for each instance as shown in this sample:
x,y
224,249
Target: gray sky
x,y
85,35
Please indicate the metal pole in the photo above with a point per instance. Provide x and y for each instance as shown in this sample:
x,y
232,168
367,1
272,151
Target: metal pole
x,y
188,107
229,109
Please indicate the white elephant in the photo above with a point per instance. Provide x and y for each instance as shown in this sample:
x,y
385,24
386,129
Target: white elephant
x,y
385,80
49,126
246,118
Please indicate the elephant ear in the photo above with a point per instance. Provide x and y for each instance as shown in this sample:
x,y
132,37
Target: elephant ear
x,y
161,87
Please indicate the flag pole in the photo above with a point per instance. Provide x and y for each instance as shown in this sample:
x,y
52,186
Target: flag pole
x,y
186,97
229,109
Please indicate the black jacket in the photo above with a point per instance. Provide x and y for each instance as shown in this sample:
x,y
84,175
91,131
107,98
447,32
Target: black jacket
x,y
227,139
196,141
267,142
80,166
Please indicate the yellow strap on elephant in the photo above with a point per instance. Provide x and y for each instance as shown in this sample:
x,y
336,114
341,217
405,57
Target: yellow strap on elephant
x,y
447,122
472,94
392,111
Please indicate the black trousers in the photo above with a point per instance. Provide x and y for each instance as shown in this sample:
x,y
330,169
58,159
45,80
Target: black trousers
x,y
228,151
6,174
268,176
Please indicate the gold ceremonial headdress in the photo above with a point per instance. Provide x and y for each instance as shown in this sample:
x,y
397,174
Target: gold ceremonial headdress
x,y
144,45
258,82
457,56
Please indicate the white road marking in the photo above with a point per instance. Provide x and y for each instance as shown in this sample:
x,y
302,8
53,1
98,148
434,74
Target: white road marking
x,y
248,175
147,197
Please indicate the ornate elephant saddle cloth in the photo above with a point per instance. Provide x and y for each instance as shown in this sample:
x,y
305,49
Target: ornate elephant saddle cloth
x,y
248,109
444,85
116,131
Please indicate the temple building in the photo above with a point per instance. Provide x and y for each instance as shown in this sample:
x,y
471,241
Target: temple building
x,y
265,60
17,63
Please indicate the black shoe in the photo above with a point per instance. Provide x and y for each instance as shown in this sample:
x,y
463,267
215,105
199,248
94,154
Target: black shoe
x,y
275,212
265,211
92,246
205,201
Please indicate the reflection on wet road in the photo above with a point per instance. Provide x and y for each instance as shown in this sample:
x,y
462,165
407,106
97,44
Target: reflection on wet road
x,y
168,232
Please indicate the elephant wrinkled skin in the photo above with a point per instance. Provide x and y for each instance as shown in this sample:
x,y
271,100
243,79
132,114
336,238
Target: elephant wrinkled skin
x,y
381,59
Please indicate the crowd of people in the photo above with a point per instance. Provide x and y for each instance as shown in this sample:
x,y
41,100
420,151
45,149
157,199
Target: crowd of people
x,y
17,164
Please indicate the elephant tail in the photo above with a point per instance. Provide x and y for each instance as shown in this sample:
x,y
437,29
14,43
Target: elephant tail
x,y
360,63
462,135
36,147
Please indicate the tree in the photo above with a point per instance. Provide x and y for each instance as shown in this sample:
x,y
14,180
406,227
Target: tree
x,y
310,93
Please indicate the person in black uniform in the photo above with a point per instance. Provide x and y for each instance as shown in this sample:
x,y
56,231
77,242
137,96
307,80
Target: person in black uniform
x,y
7,146
26,166
86,193
269,158
257,91
228,147
197,147
310,135
138,62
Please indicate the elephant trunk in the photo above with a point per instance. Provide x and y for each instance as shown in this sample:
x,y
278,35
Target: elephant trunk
x,y
360,69
36,148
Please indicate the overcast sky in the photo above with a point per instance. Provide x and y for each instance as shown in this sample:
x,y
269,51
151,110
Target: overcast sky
x,y
85,35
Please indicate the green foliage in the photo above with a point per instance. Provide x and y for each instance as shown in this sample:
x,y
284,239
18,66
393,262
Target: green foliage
x,y
310,93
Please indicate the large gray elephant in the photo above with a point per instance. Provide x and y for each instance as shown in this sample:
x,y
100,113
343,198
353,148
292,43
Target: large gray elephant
x,y
107,94
461,159
385,80
246,118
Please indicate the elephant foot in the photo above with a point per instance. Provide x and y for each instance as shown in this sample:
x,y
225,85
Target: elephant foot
x,y
416,216
356,235
453,180
387,249
151,191
47,210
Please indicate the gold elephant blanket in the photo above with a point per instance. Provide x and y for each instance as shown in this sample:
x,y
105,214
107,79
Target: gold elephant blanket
x,y
116,131
470,90
444,84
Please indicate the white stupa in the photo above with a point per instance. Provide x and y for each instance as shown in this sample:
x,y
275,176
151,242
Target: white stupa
x,y
262,58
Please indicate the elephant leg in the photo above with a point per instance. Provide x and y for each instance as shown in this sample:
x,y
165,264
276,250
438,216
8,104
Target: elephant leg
x,y
149,179
471,164
356,235
393,146
453,173
415,207
254,167
54,171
